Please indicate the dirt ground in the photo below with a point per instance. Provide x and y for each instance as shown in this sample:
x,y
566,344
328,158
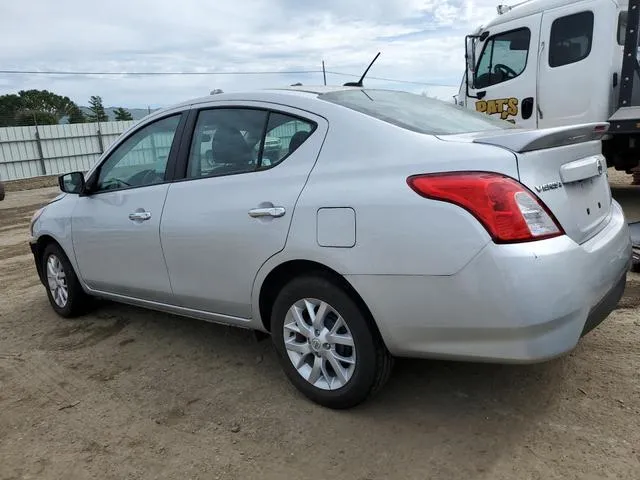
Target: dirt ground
x,y
128,393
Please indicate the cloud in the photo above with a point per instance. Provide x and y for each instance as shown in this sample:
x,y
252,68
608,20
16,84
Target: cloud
x,y
420,41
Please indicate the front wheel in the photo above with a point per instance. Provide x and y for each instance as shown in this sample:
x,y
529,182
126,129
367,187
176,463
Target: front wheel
x,y
65,293
326,345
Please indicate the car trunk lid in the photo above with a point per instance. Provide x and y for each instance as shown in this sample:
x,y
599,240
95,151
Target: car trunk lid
x,y
564,167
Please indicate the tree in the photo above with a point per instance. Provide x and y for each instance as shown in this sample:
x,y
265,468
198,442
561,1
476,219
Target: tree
x,y
76,115
31,106
46,101
122,114
26,118
10,105
97,110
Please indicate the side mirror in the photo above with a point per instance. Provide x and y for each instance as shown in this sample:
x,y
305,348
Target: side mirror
x,y
471,56
71,182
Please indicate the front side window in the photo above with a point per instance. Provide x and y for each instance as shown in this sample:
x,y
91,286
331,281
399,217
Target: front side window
x,y
571,38
503,57
141,159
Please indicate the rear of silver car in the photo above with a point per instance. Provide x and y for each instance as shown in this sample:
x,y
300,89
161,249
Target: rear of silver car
x,y
566,169
531,300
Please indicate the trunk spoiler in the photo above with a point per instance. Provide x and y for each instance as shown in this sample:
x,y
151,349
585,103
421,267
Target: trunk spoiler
x,y
527,140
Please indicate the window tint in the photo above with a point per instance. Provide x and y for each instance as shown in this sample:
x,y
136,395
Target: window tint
x,y
226,141
415,112
141,159
503,57
571,38
284,135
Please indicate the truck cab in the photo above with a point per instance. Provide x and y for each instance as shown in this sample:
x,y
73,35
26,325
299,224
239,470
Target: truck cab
x,y
549,63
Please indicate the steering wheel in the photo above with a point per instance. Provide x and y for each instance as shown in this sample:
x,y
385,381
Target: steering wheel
x,y
505,70
146,177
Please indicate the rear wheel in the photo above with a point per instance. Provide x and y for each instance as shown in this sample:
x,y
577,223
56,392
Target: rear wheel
x,y
66,296
326,345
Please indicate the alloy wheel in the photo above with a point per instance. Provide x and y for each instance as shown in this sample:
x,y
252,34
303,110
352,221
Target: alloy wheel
x,y
319,344
57,280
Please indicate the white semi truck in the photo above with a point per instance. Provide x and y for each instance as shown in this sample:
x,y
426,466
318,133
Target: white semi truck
x,y
549,63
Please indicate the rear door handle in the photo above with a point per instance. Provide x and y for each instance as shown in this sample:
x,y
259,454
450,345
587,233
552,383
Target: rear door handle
x,y
267,212
139,216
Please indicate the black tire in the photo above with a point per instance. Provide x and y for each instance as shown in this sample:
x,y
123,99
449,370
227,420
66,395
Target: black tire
x,y
77,300
373,361
1,191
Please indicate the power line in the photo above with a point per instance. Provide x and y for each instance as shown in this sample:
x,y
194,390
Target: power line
x,y
428,84
268,72
60,72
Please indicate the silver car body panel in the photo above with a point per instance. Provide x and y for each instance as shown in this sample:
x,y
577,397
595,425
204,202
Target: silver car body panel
x,y
204,218
435,283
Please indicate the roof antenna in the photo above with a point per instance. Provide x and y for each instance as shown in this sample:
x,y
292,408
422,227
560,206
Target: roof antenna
x,y
359,82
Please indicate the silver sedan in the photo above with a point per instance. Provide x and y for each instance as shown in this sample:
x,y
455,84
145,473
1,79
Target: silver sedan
x,y
371,224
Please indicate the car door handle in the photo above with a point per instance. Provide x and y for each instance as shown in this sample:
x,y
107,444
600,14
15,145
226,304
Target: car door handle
x,y
267,212
139,216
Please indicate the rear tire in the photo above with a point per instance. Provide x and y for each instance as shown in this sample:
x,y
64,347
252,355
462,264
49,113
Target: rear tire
x,y
317,358
65,294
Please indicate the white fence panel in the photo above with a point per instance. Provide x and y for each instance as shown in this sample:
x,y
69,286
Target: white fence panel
x,y
27,152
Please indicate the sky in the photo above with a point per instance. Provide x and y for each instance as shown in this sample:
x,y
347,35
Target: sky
x,y
420,41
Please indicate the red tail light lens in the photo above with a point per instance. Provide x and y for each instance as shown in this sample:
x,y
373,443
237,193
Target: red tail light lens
x,y
507,209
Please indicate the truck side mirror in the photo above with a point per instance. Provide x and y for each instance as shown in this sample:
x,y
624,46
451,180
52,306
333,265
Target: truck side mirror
x,y
470,51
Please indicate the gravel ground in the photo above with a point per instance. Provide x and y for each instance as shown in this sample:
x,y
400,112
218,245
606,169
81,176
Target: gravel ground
x,y
128,393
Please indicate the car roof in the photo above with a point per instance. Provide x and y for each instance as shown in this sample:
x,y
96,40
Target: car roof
x,y
297,96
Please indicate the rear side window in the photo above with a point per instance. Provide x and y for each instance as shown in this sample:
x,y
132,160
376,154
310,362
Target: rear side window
x,y
229,141
284,135
571,39
415,112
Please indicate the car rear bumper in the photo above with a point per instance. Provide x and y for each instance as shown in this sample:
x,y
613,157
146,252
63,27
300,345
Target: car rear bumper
x,y
519,303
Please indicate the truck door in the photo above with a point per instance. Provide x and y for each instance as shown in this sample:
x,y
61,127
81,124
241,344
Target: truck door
x,y
570,61
504,81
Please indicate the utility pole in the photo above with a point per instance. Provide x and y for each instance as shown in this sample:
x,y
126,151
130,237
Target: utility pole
x,y
324,73
43,167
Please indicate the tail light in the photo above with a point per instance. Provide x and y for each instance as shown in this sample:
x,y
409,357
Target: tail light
x,y
506,208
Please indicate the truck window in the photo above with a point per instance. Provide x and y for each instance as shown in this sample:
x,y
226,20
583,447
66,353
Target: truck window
x,y
571,38
503,57
622,26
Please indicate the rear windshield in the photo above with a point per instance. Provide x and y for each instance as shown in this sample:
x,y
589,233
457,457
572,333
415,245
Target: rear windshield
x,y
416,112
